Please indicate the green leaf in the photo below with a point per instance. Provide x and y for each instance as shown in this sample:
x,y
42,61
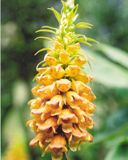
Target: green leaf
x,y
76,9
46,30
35,76
81,36
84,41
117,152
106,72
72,13
111,153
39,64
115,54
56,13
64,6
108,136
42,50
92,40
84,25
49,27
42,37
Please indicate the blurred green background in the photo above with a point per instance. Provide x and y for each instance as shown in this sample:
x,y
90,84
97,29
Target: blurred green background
x,y
109,66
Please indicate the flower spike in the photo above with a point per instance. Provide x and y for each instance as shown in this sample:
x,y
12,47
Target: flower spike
x,y
63,105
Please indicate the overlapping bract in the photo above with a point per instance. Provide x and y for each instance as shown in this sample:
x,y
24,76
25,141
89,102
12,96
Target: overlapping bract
x,y
62,108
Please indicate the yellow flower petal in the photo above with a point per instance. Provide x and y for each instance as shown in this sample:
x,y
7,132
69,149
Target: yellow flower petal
x,y
34,141
89,137
57,146
56,101
88,123
63,85
67,116
35,90
80,87
58,46
72,49
90,96
73,98
64,57
84,77
32,124
88,106
49,123
43,70
53,107
77,133
57,72
35,103
83,90
47,92
79,61
45,80
72,70
67,127
49,60
79,113
37,111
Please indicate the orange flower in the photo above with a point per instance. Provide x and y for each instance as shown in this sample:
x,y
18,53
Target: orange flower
x,y
52,107
49,123
63,85
35,90
45,80
87,106
57,72
80,87
47,92
64,57
78,61
66,119
79,113
78,137
88,123
43,70
49,60
32,123
73,98
72,70
37,111
84,77
73,49
57,147
90,96
58,46
39,137
35,103
83,90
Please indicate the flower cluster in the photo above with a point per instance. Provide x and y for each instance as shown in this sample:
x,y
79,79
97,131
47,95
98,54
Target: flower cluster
x,y
62,108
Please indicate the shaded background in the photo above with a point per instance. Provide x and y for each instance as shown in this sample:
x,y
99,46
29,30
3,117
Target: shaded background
x,y
20,19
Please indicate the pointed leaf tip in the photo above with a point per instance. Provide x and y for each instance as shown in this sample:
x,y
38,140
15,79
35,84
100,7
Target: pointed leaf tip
x,y
56,13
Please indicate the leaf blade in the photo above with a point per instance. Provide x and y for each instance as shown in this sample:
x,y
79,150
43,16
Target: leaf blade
x,y
56,13
84,25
